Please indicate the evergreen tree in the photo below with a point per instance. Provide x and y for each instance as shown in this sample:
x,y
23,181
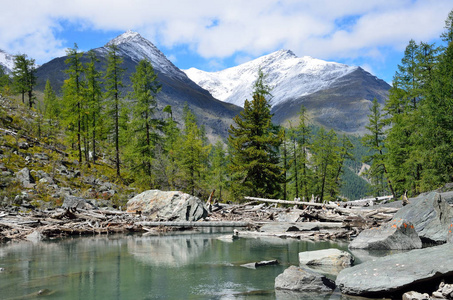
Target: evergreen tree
x,y
254,144
374,141
325,157
113,85
94,98
24,77
51,108
191,155
5,81
144,125
304,137
219,168
73,95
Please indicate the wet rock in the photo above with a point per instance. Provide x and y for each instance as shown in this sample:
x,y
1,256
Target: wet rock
x,y
35,236
258,264
331,257
430,215
303,280
169,206
73,202
25,179
396,274
398,234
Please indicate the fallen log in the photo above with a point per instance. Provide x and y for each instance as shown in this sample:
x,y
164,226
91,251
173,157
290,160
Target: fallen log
x,y
194,224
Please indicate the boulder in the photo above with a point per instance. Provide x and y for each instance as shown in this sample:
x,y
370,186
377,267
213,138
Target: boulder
x,y
396,274
397,234
450,234
73,202
415,296
330,257
25,179
168,206
430,215
303,280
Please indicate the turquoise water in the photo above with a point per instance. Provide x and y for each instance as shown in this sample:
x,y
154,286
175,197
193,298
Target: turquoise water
x,y
180,266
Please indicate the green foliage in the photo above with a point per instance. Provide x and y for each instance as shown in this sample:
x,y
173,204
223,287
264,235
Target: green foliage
x,y
254,144
144,128
24,77
113,95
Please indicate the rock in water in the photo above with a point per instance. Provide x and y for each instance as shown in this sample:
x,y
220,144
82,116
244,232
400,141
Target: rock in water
x,y
395,235
302,280
430,215
331,257
399,273
168,206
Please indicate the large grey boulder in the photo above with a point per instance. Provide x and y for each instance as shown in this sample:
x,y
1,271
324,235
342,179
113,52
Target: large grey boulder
x,y
397,234
25,178
168,206
303,280
431,216
330,257
73,202
396,274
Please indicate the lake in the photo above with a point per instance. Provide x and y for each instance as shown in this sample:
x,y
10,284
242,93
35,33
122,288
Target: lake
x,y
173,266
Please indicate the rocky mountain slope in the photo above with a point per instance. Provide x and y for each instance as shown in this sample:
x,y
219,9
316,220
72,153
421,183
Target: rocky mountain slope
x,y
336,95
177,88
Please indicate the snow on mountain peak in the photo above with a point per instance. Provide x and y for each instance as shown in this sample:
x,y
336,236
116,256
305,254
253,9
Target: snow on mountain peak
x,y
135,46
290,77
7,61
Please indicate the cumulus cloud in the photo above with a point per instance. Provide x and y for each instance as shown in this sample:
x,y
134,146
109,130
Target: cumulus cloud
x,y
219,29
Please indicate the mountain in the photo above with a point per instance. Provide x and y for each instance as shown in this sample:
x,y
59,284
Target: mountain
x,y
177,88
7,61
336,95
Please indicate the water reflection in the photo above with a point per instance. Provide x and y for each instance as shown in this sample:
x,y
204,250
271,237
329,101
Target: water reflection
x,y
197,266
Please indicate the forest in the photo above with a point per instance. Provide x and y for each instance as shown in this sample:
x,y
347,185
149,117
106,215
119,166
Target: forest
x,y
407,145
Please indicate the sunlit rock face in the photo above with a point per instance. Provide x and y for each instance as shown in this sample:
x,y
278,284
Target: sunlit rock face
x,y
168,206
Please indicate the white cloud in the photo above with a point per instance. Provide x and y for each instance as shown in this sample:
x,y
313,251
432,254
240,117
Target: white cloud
x,y
219,29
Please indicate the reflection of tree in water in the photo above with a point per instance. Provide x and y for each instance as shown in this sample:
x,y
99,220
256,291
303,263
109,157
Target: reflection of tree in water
x,y
173,251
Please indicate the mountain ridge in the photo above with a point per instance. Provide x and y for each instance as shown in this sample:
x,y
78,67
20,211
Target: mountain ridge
x,y
177,88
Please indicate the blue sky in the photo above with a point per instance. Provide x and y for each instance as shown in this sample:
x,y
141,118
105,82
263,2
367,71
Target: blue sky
x,y
212,35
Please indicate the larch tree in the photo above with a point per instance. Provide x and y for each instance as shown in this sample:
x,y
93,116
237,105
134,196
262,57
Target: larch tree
x,y
73,95
144,125
24,77
113,84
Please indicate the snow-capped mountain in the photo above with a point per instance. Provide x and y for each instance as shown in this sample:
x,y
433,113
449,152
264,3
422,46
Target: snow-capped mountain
x,y
290,77
336,95
177,88
131,44
7,61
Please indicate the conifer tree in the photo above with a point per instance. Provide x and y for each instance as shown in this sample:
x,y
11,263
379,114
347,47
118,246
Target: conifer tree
x,y
94,98
144,124
325,157
219,168
191,155
304,137
374,141
51,108
24,77
254,143
113,84
73,95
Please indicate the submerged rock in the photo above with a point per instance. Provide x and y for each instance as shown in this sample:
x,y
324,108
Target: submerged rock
x,y
330,257
430,215
399,273
397,234
168,206
303,280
